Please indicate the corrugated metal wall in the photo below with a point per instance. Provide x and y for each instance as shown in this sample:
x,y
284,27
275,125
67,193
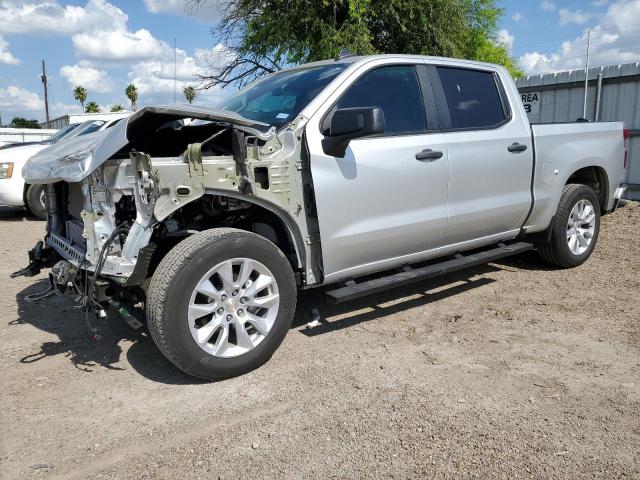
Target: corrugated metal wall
x,y
561,97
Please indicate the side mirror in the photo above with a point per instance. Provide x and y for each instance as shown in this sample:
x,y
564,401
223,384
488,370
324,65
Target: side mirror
x,y
351,123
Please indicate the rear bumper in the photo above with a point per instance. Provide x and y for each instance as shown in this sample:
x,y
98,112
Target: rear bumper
x,y
618,195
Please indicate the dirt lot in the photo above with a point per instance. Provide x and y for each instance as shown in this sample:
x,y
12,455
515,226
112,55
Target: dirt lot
x,y
505,371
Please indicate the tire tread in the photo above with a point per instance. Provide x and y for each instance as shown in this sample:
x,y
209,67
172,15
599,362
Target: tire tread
x,y
162,280
553,251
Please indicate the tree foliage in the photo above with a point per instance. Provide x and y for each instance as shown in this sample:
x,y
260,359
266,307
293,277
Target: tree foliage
x,y
116,108
19,122
92,107
132,94
80,94
262,36
190,93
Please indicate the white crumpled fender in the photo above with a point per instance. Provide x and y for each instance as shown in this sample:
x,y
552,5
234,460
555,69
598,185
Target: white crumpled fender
x,y
75,159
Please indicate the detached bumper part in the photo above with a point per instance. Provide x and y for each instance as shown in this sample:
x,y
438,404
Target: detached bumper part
x,y
39,257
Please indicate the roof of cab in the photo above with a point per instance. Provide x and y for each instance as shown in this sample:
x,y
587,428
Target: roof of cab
x,y
360,59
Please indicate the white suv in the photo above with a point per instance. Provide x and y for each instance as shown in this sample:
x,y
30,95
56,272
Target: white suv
x,y
13,189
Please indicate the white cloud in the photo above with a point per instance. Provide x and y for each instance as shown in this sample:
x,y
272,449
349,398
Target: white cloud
x,y
154,78
118,45
613,40
517,17
47,17
98,29
547,6
5,55
59,109
94,80
209,11
567,16
505,38
17,99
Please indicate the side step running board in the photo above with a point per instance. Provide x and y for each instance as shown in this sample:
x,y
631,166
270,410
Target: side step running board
x,y
461,261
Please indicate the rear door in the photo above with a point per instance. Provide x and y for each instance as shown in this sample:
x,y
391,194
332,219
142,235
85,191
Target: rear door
x,y
384,202
490,154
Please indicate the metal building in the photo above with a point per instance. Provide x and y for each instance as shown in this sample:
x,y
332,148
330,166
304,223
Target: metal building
x,y
22,135
613,94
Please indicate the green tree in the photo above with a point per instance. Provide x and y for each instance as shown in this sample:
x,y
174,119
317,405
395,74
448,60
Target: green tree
x,y
190,93
80,94
19,122
262,36
117,108
92,107
132,94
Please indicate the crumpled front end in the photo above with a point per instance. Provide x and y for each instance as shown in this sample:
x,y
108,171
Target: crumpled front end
x,y
112,197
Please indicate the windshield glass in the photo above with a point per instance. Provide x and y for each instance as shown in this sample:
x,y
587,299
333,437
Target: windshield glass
x,y
61,133
89,127
278,98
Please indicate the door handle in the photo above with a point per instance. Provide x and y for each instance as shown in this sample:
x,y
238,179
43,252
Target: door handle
x,y
516,148
428,155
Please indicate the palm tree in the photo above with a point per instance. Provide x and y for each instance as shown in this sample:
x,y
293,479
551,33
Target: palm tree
x,y
190,93
80,94
117,108
132,94
92,107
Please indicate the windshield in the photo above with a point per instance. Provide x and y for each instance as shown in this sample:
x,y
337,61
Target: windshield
x,y
61,133
88,127
278,98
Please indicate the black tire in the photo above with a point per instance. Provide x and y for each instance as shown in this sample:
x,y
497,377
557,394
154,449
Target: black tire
x,y
174,281
33,199
556,251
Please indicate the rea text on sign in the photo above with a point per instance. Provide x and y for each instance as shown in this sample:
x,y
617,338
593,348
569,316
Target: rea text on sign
x,y
531,102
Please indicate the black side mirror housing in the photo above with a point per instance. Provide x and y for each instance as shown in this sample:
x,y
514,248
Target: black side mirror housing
x,y
351,123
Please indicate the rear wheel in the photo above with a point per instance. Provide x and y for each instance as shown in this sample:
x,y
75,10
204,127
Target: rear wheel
x,y
221,302
34,201
574,228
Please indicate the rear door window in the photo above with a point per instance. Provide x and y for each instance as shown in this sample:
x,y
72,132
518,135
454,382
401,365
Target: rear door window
x,y
397,91
473,98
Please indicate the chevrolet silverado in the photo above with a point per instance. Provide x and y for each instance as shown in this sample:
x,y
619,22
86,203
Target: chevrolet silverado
x,y
363,172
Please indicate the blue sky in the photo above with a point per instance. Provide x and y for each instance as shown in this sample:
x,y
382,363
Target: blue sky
x,y
106,44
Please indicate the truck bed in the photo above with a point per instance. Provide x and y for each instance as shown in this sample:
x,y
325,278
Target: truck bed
x,y
560,150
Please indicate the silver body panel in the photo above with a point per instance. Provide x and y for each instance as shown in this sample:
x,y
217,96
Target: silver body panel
x,y
563,148
371,213
379,202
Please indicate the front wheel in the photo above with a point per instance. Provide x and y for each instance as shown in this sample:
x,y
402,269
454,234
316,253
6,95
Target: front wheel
x,y
34,201
221,302
574,228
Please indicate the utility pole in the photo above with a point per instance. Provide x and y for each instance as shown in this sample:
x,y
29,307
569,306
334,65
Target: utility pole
x,y
46,95
586,76
175,70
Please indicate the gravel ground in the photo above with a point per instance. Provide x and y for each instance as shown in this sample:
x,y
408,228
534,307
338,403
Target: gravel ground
x,y
510,370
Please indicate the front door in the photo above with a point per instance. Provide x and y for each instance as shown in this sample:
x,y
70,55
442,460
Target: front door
x,y
383,203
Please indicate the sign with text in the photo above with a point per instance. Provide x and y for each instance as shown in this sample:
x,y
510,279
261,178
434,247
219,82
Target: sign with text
x,y
531,102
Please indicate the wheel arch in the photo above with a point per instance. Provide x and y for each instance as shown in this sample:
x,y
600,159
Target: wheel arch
x,y
593,176
277,218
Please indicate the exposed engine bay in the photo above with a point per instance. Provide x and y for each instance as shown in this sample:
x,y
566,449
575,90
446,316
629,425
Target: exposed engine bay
x,y
172,177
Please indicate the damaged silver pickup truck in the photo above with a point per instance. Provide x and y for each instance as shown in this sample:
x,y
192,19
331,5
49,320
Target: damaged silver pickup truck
x,y
371,171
